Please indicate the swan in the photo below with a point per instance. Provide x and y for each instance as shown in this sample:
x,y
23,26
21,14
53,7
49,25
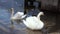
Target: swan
x,y
16,17
33,22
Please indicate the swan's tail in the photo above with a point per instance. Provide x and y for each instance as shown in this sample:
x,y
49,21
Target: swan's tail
x,y
23,16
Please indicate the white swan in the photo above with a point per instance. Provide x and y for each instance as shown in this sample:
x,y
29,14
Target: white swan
x,y
17,17
33,22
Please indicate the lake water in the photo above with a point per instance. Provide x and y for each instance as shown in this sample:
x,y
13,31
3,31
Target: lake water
x,y
5,24
18,5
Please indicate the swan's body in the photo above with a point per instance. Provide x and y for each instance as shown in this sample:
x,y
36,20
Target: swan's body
x,y
17,17
34,22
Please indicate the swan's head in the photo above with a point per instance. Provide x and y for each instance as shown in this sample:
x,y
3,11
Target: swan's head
x,y
12,10
41,13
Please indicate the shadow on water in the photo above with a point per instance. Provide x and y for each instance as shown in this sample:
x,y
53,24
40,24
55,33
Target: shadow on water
x,y
56,28
52,21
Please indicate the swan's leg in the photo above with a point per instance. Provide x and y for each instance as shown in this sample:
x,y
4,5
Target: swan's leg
x,y
11,27
12,24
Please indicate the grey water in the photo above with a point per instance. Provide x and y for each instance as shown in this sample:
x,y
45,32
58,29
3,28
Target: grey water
x,y
5,14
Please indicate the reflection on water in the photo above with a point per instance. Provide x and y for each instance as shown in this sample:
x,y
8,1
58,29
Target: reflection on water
x,y
5,24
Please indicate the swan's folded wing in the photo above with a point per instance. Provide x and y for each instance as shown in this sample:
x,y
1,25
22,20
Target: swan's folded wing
x,y
34,22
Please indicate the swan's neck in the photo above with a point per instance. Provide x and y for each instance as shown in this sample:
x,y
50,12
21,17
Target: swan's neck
x,y
12,12
38,16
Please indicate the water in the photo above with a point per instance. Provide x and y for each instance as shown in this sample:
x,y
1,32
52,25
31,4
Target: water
x,y
5,24
6,27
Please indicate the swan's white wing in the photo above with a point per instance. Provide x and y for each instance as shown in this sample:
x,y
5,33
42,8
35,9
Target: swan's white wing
x,y
34,23
18,15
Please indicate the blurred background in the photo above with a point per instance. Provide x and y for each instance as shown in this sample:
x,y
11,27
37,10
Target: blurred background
x,y
51,9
